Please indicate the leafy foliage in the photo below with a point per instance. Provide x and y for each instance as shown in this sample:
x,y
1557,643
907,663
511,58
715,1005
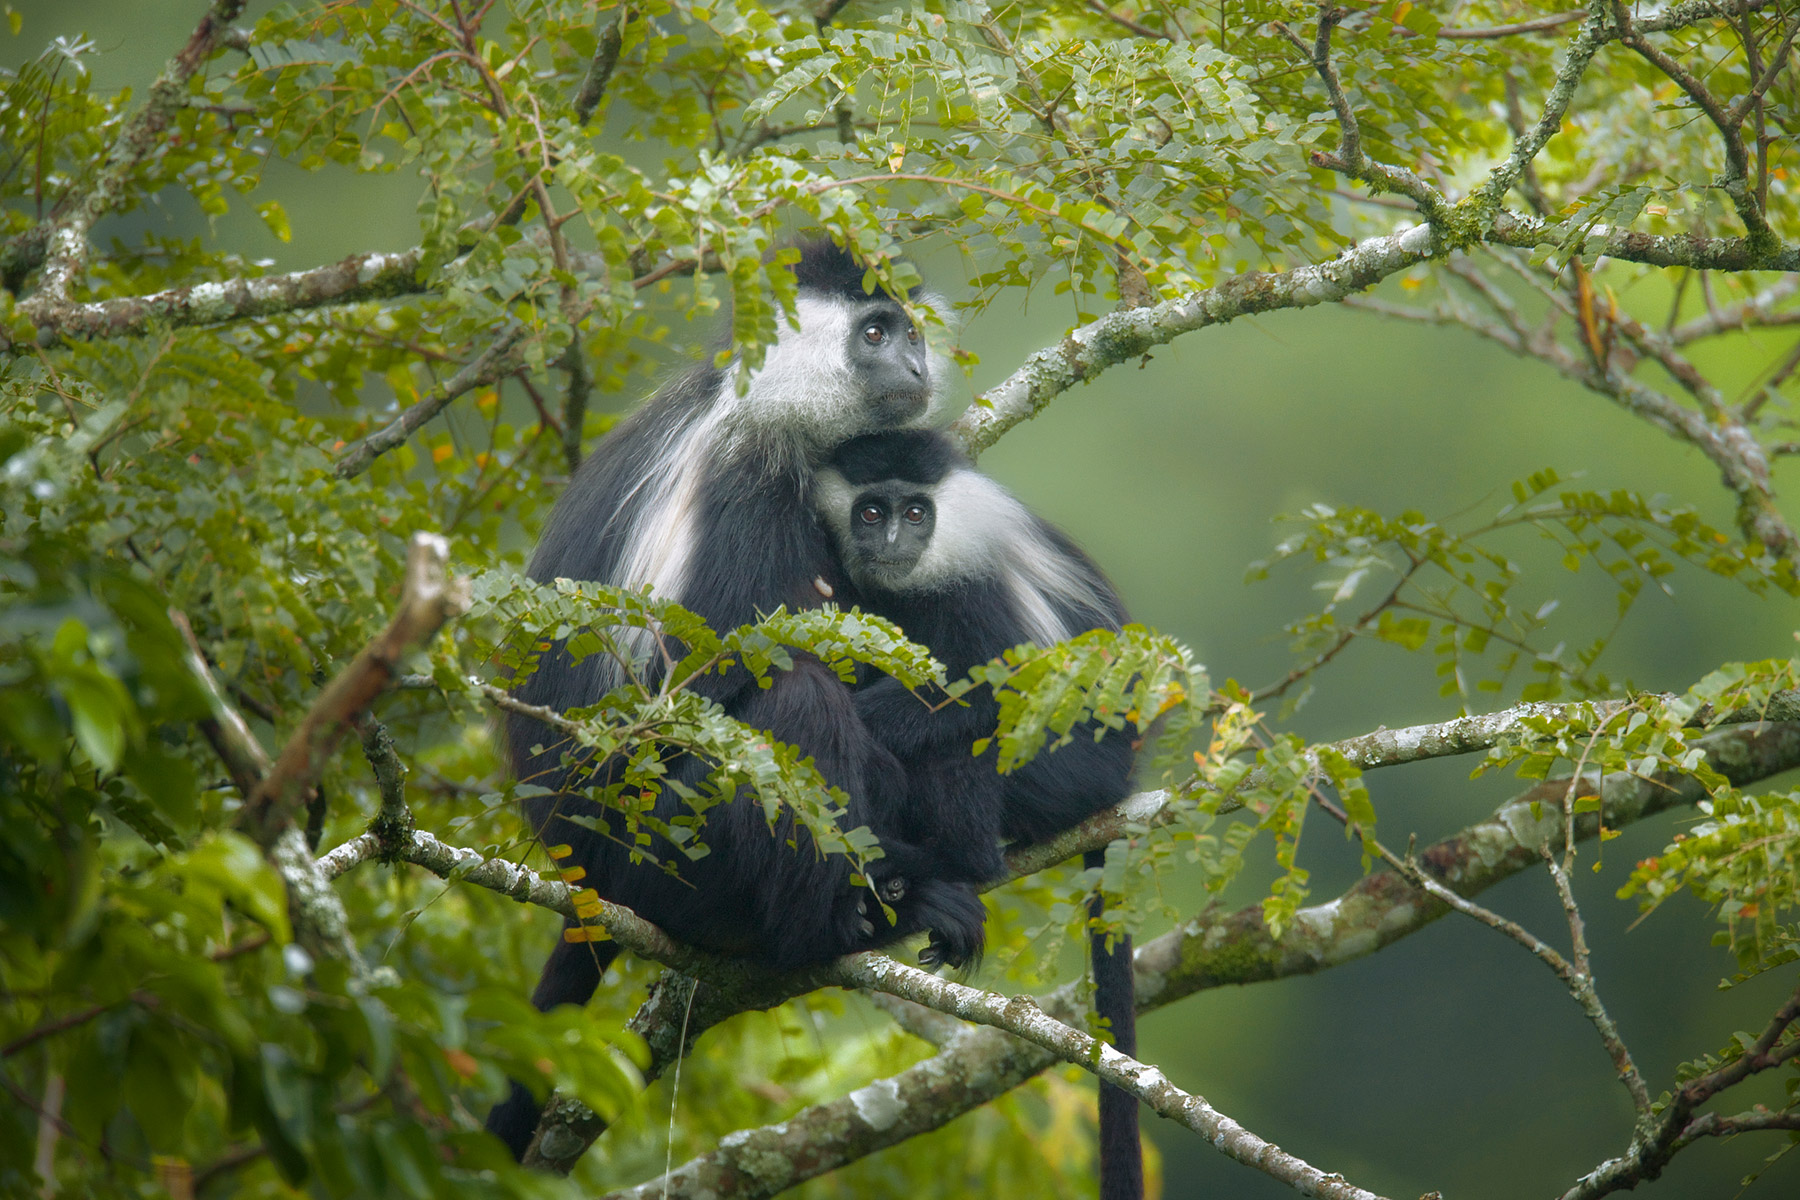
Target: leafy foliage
x,y
1740,859
1452,591
638,725
162,1026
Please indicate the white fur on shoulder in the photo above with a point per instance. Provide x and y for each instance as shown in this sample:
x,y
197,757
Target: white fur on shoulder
x,y
984,532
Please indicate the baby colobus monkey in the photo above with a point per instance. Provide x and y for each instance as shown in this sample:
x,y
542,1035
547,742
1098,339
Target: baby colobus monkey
x,y
968,571
704,495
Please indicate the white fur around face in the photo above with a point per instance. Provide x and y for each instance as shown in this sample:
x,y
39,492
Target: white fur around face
x,y
805,380
833,496
982,532
805,383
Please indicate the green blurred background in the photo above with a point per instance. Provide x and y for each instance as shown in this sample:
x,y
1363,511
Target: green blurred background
x,y
1452,1060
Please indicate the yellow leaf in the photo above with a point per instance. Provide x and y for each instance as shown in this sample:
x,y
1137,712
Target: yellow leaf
x,y
440,453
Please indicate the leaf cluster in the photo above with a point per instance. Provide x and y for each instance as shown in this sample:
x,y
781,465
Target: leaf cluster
x,y
1453,590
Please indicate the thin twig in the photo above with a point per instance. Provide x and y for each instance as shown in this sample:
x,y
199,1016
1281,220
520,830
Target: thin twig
x,y
1540,25
1655,1142
502,357
1124,22
244,757
428,598
1728,123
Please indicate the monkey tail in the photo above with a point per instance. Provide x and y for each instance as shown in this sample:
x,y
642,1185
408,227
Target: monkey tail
x,y
1115,1000
570,977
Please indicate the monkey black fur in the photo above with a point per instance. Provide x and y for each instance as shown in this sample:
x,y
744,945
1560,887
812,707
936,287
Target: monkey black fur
x,y
704,495
968,571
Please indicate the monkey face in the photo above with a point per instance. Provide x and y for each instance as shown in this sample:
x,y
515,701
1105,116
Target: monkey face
x,y
888,359
851,368
890,526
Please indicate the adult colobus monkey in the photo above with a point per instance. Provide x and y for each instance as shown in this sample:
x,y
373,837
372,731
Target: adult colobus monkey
x,y
966,570
704,495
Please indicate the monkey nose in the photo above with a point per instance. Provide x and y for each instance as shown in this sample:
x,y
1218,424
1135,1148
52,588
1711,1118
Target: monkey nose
x,y
893,531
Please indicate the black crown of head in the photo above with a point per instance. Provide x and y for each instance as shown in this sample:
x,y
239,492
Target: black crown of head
x,y
831,270
912,455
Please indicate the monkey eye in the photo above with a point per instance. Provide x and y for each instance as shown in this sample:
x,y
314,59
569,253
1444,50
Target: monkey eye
x,y
870,514
912,334
914,514
874,335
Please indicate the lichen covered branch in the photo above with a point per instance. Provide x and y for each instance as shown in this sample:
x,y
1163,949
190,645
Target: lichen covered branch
x,y
357,278
978,1064
1022,1017
1125,336
65,239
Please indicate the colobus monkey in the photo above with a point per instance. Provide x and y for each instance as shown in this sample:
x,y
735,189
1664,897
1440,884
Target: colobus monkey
x,y
704,495
967,571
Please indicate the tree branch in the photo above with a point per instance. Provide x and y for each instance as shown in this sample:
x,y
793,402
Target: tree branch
x,y
1350,159
65,241
357,278
1121,337
1126,335
428,598
1576,976
244,757
1135,28
575,402
1737,161
1581,50
979,1064
504,355
1540,25
1717,431
1757,310
393,821
1023,1018
1654,1144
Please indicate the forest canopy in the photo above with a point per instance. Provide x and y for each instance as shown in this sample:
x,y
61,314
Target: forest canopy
x,y
270,911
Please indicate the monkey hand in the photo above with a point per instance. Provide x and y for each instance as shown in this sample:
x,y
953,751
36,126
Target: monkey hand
x,y
955,916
